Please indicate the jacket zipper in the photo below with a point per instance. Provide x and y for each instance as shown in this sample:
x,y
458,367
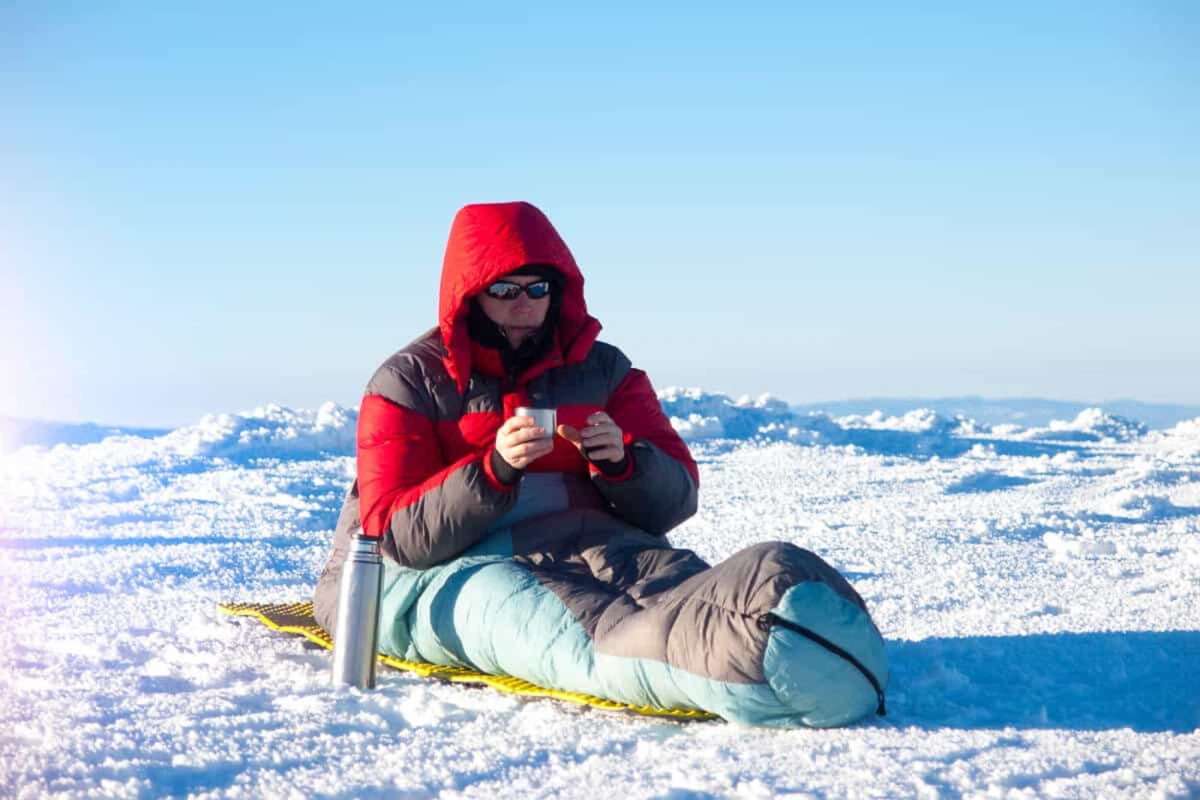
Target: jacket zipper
x,y
767,620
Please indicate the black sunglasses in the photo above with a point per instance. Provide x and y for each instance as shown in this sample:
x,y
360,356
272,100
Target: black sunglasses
x,y
507,290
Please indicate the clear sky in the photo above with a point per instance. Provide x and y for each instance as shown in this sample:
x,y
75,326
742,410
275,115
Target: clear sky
x,y
211,206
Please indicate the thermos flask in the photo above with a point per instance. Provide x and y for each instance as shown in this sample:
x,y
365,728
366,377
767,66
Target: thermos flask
x,y
356,637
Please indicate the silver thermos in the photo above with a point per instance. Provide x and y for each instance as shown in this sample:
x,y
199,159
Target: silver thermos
x,y
357,635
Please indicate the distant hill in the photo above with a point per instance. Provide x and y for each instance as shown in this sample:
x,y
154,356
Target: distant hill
x,y
16,433
1026,411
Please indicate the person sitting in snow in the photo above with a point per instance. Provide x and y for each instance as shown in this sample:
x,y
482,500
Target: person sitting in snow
x,y
542,554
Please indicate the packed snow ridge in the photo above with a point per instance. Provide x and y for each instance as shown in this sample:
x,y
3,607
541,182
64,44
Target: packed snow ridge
x,y
698,415
270,431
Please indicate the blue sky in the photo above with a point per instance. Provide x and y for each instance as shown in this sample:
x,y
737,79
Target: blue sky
x,y
211,207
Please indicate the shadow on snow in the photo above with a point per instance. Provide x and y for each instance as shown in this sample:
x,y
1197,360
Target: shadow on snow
x,y
989,481
1081,681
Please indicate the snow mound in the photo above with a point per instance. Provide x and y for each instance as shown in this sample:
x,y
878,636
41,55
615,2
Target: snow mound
x,y
920,420
1189,428
1181,441
271,431
1141,506
1065,547
697,414
1091,425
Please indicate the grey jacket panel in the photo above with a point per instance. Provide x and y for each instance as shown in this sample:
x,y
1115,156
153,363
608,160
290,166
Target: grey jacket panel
x,y
448,519
400,380
415,377
659,495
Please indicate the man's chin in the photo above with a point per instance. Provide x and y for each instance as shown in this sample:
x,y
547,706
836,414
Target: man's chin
x,y
519,333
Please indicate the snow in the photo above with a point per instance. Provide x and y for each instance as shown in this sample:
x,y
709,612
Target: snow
x,y
1039,589
1091,425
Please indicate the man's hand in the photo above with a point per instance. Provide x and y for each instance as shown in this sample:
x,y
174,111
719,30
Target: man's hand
x,y
600,440
520,441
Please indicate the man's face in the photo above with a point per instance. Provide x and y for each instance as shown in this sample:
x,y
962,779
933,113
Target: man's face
x,y
520,317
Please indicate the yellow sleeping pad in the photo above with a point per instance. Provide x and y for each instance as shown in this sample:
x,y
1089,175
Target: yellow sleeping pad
x,y
297,619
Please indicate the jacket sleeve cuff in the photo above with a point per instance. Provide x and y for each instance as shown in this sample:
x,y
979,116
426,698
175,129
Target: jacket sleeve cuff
x,y
609,471
500,474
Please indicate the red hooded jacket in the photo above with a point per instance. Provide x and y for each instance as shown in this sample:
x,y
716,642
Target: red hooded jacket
x,y
429,418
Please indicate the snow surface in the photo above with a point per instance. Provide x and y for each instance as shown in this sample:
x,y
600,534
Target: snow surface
x,y
1039,590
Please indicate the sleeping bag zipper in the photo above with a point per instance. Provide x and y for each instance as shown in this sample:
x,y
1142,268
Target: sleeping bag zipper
x,y
767,620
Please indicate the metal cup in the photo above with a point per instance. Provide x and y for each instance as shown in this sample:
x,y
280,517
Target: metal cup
x,y
546,418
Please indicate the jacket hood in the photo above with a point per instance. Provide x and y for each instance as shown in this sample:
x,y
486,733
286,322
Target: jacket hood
x,y
488,241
